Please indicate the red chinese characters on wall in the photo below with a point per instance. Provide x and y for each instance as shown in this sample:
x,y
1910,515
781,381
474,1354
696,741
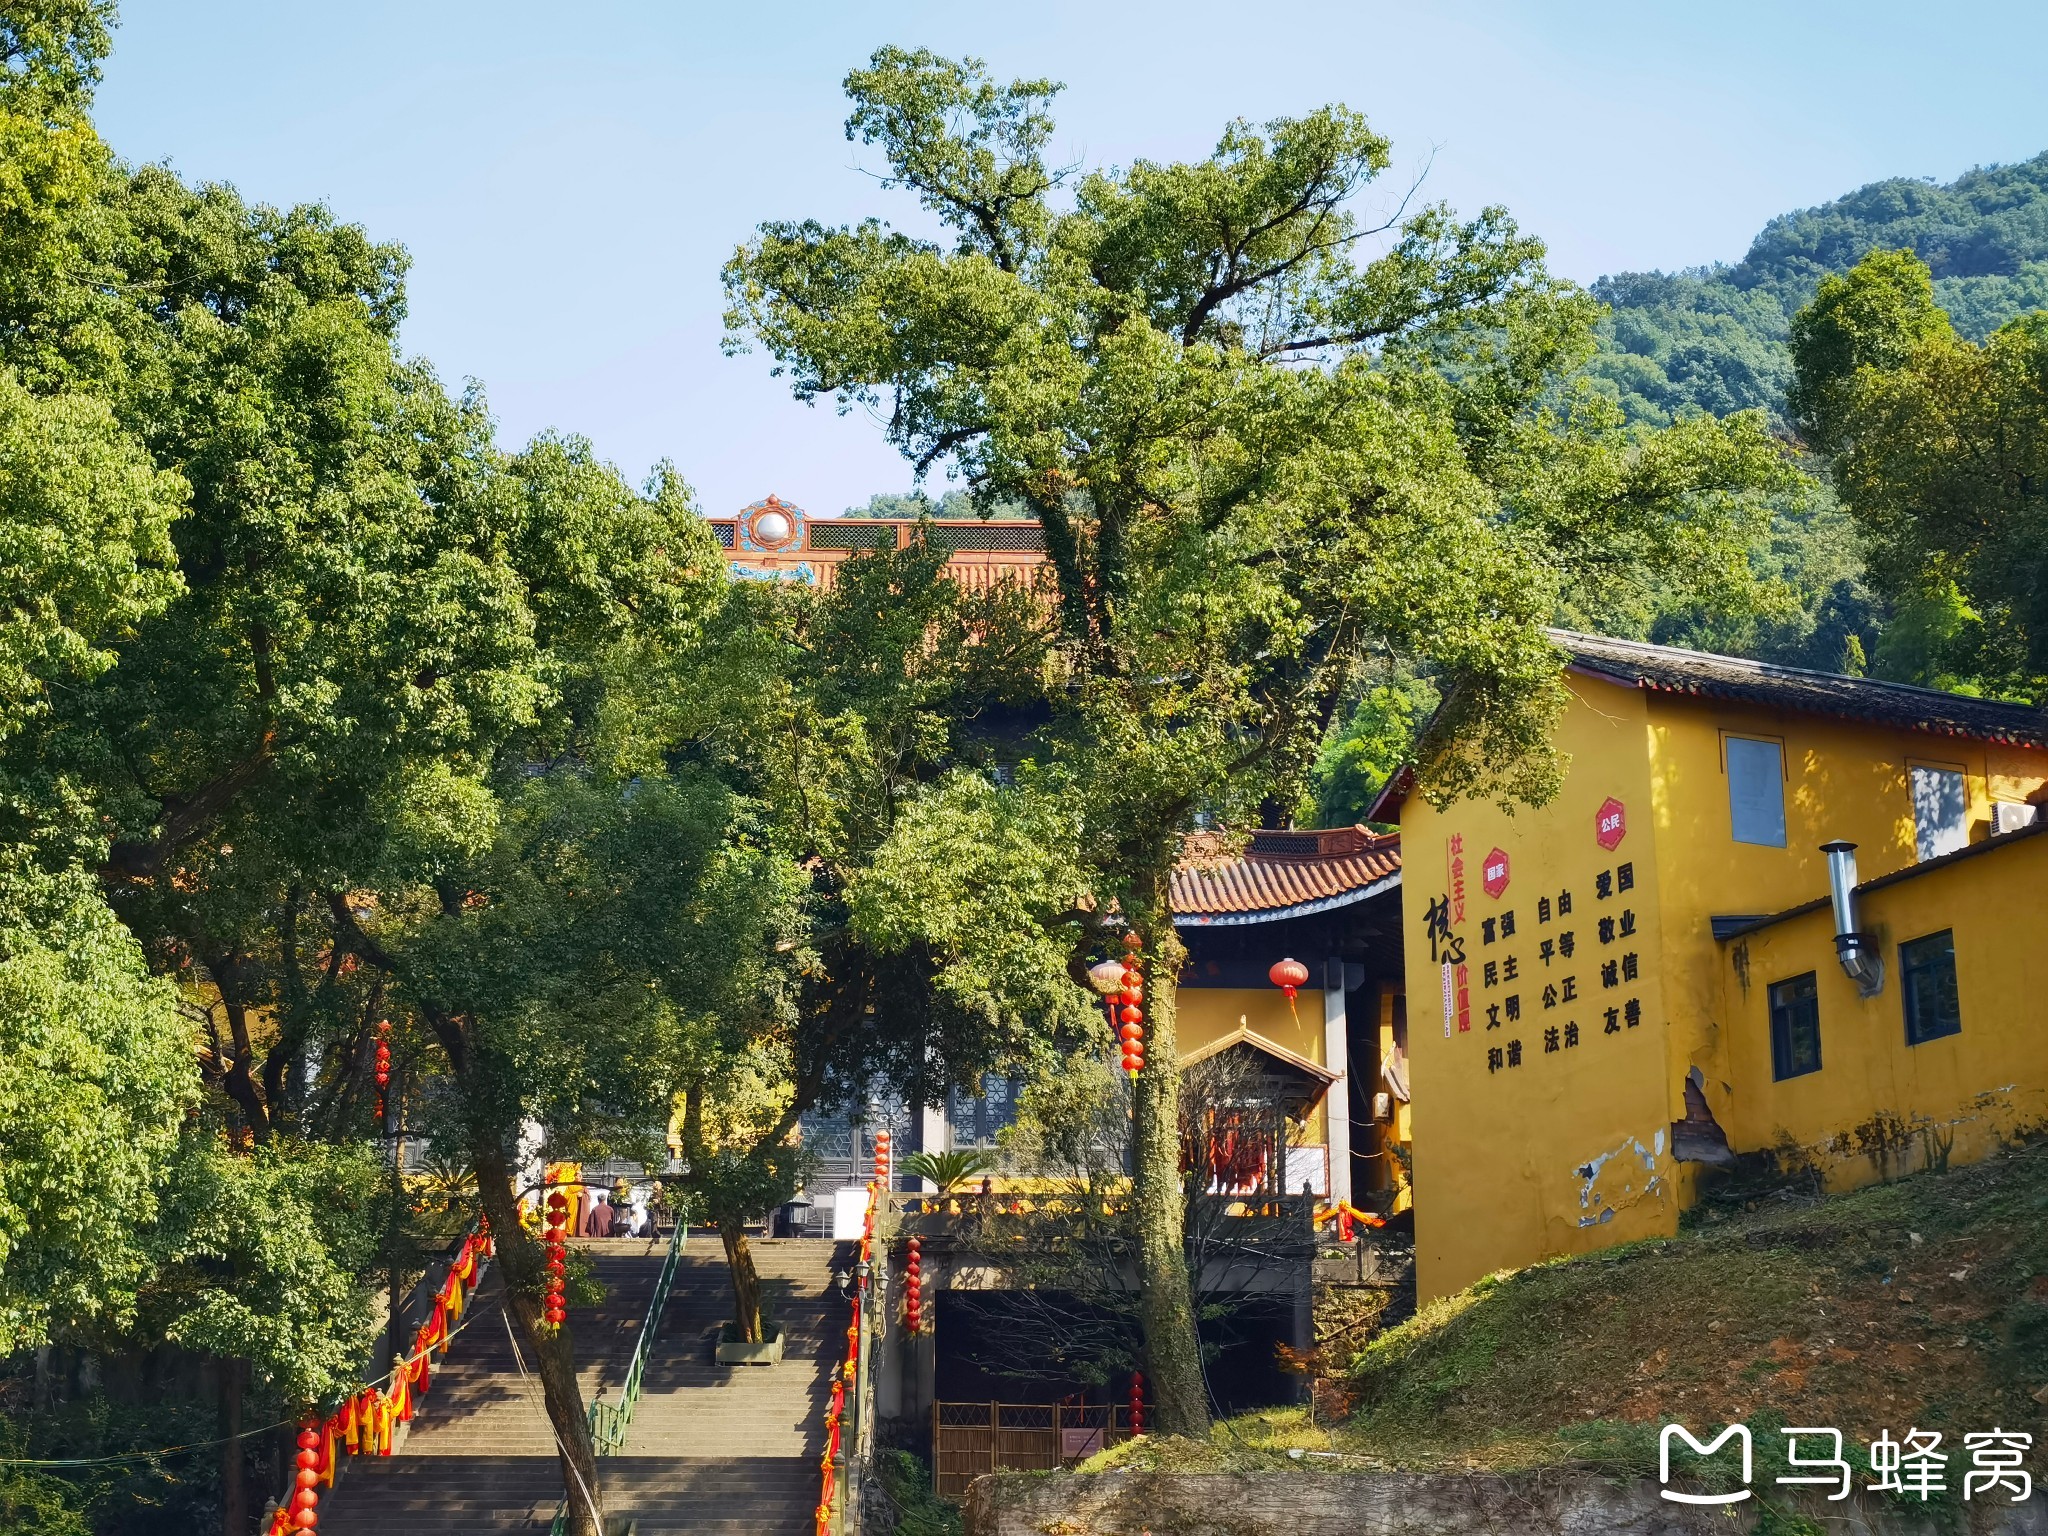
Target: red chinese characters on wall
x,y
1611,823
1455,853
1495,877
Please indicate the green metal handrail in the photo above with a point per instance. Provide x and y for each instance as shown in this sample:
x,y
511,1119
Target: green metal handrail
x,y
609,1422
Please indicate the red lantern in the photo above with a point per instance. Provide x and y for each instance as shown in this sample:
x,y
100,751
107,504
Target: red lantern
x,y
305,1520
307,1459
309,1440
1289,976
306,1479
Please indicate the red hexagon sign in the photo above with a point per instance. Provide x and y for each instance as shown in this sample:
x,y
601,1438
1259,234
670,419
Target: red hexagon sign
x,y
1611,824
1495,878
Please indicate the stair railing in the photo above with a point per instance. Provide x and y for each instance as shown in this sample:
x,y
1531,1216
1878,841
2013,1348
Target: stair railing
x,y
849,1414
609,1422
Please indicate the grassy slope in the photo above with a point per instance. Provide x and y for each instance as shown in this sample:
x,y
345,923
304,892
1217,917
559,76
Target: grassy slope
x,y
1792,1311
1922,1303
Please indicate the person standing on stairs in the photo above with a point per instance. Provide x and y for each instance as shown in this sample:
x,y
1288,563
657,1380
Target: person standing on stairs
x,y
657,1199
599,1222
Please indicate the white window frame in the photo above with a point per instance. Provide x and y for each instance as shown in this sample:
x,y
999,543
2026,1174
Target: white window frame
x,y
1931,842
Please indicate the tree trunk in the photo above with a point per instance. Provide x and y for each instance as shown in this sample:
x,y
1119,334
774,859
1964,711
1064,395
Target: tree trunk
x,y
746,1281
553,1354
234,1489
1166,1302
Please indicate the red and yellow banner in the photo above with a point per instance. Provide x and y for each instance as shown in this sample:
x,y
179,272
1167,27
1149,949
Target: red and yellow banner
x,y
362,1425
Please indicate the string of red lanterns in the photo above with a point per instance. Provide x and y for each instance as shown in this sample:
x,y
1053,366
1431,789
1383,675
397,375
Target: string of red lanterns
x,y
913,1286
555,1245
383,1064
1130,1012
1137,1404
882,1163
305,1490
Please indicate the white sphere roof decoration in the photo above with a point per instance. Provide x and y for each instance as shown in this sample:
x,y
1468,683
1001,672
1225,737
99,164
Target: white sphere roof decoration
x,y
771,524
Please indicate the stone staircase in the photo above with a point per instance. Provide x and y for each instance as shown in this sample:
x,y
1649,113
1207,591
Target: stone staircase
x,y
727,1449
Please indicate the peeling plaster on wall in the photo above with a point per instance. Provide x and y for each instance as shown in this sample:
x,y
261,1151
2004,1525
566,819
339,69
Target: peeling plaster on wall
x,y
1894,1146
1602,1205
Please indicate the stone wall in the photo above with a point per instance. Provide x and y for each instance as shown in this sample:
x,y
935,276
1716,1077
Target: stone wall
x,y
1312,1503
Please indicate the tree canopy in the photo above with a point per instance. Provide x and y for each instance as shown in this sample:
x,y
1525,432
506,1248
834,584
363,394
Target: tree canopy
x,y
1261,456
1939,448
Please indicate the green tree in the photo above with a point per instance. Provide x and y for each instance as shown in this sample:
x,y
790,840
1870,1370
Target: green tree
x,y
1258,461
99,1074
1826,616
1939,448
1359,756
547,920
951,1168
309,667
831,713
548,965
98,1081
85,524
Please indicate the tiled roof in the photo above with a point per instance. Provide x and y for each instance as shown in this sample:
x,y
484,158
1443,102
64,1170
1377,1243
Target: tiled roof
x,y
1281,873
1667,669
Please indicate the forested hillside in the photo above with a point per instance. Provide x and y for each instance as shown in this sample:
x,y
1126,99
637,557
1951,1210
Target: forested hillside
x,y
1713,338
1717,339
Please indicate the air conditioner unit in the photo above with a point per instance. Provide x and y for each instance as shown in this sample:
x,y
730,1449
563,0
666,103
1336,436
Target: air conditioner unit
x,y
2006,816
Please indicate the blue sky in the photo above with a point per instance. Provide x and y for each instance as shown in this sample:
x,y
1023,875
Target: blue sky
x,y
569,178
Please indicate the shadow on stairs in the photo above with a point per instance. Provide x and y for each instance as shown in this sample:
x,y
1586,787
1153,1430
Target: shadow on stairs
x,y
712,1448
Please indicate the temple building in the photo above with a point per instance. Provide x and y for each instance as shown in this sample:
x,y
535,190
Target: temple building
x,y
1774,921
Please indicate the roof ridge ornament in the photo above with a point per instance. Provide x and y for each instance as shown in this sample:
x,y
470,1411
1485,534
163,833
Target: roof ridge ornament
x,y
771,526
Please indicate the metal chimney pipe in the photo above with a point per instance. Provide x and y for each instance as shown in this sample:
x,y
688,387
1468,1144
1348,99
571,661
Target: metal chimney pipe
x,y
1858,951
1842,883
